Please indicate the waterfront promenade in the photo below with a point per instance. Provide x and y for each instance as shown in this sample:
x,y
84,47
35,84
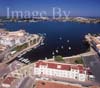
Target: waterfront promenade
x,y
24,50
88,53
28,70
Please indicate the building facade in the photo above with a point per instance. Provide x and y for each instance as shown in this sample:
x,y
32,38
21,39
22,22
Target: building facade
x,y
54,69
13,38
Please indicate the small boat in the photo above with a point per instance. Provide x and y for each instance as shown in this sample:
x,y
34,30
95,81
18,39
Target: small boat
x,y
69,48
57,51
29,50
20,55
21,58
42,43
62,47
60,38
45,34
24,52
67,41
27,62
53,53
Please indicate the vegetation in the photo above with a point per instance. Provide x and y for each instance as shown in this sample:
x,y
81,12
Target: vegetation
x,y
59,58
32,42
79,61
21,47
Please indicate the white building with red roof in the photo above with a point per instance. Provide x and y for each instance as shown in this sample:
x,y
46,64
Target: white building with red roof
x,y
62,70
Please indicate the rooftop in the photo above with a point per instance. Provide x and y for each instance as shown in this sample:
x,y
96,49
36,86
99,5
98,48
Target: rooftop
x,y
9,80
48,84
95,39
62,66
5,33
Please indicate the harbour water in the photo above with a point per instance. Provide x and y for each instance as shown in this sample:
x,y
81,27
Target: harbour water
x,y
61,38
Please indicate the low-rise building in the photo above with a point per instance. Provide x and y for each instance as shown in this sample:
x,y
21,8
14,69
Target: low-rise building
x,y
2,48
95,42
61,70
8,82
13,38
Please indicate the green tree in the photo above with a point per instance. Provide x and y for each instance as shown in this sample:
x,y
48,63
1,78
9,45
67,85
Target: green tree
x,y
59,58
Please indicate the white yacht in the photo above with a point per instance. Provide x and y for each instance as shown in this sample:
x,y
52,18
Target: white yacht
x,y
20,58
67,41
53,53
57,51
62,47
60,38
69,48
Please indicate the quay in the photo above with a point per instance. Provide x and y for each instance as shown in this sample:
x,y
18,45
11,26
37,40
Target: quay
x,y
22,51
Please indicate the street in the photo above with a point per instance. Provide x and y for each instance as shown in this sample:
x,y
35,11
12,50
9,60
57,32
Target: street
x,y
93,62
26,83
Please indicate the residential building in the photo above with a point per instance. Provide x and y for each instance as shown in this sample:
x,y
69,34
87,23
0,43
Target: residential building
x,y
13,38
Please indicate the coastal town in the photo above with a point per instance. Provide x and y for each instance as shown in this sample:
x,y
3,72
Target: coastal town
x,y
14,43
86,20
49,43
79,71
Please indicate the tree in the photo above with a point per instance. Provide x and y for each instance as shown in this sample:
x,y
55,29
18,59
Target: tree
x,y
59,58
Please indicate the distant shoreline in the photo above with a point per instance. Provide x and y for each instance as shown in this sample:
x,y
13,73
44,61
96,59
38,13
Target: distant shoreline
x,y
94,20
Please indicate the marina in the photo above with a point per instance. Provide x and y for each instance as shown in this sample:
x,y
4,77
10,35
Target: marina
x,y
24,60
49,44
58,40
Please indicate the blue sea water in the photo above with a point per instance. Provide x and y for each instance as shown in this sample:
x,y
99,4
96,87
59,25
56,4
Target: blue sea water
x,y
57,36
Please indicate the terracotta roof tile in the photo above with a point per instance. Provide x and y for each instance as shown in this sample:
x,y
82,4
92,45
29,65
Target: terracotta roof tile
x,y
61,66
47,84
9,80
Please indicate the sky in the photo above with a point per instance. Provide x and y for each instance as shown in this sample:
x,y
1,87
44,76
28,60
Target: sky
x,y
76,7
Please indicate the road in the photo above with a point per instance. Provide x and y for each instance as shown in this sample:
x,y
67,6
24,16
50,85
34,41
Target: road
x,y
6,69
27,83
93,62
68,80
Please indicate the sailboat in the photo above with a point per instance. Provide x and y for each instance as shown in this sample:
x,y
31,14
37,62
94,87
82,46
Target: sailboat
x,y
53,53
21,58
